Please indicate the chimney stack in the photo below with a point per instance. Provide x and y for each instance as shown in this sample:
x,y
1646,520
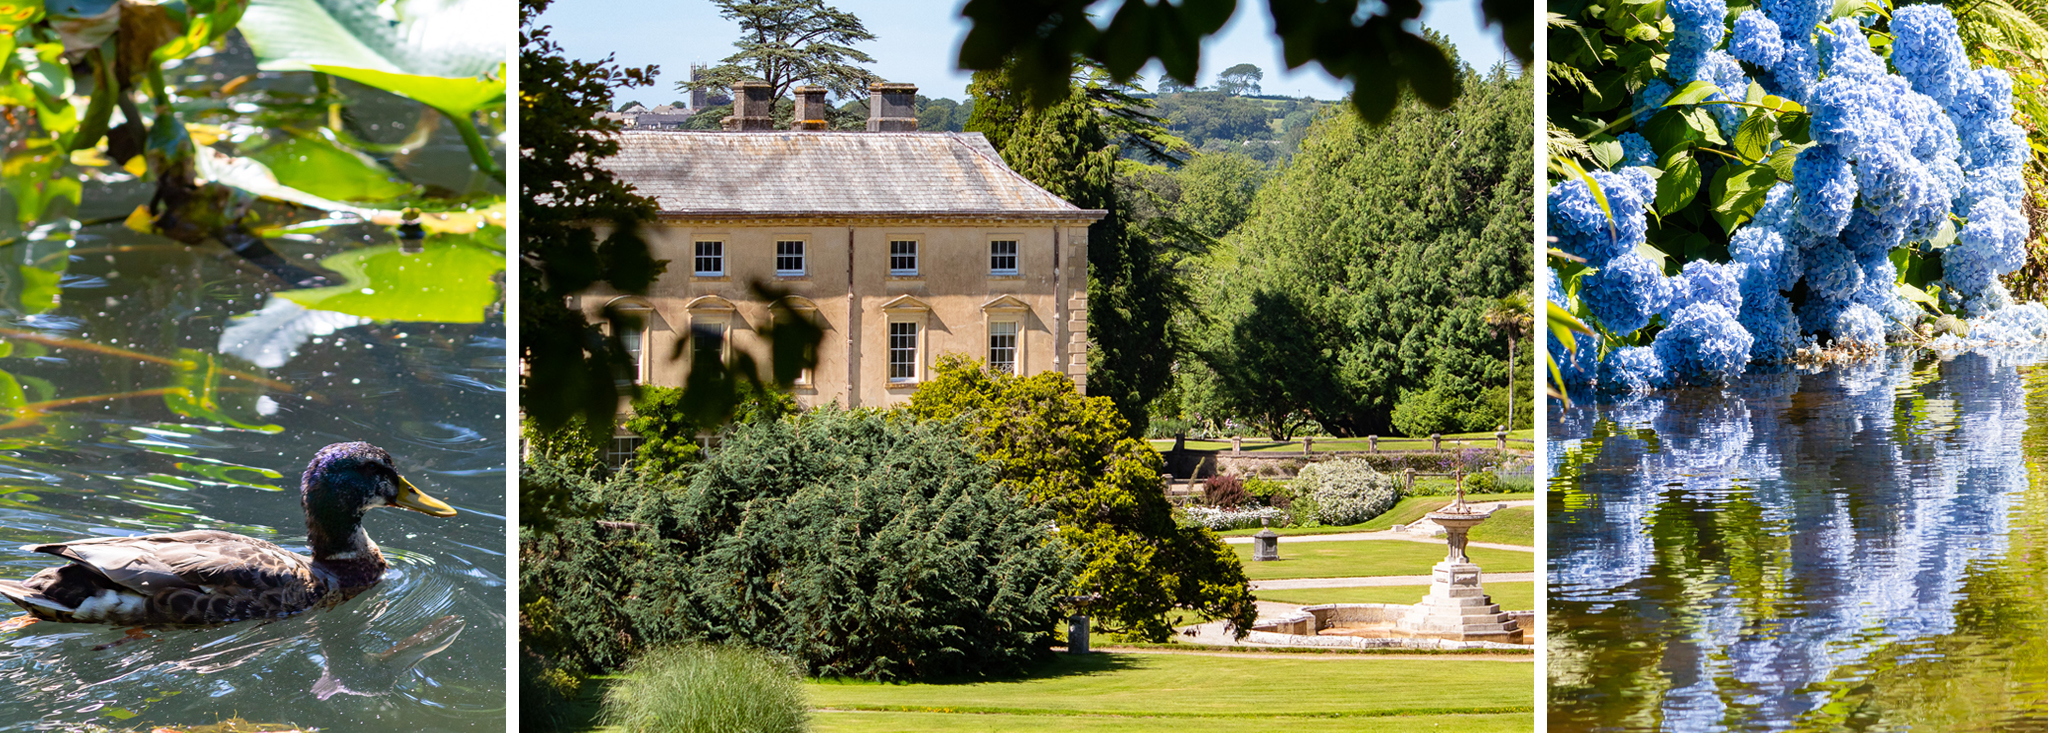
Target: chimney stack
x,y
892,107
810,109
753,106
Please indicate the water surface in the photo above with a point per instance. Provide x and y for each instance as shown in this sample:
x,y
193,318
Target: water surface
x,y
423,650
1855,548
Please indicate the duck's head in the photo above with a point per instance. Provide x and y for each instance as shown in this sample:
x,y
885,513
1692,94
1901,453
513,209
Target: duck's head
x,y
346,480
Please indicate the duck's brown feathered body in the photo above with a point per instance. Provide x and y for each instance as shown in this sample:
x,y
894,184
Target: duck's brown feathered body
x,y
210,577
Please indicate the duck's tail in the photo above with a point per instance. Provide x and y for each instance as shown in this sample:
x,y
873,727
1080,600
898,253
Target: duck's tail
x,y
33,601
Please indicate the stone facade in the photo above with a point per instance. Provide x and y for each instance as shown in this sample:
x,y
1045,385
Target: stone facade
x,y
902,246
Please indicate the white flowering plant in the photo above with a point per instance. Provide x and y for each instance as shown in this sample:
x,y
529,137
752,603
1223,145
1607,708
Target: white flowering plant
x,y
1730,185
1229,519
1347,491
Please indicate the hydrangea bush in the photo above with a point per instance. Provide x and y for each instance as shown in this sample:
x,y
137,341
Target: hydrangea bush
x,y
1347,491
1771,178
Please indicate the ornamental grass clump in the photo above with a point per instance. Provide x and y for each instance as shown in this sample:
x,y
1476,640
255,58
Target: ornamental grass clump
x,y
708,688
1808,187
1347,491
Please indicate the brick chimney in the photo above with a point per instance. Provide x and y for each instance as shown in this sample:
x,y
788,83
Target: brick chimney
x,y
810,109
892,107
753,106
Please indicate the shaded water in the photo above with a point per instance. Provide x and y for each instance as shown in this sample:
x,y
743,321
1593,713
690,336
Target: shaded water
x,y
421,651
1860,548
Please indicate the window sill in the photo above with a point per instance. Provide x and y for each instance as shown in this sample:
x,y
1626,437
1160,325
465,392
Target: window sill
x,y
1004,276
709,278
792,276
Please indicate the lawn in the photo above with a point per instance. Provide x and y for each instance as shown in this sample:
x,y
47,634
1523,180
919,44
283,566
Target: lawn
x,y
1515,525
1405,512
1370,557
874,722
1510,596
1190,692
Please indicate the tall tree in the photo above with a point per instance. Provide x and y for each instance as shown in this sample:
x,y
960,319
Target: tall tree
x,y
787,42
1511,318
1071,150
1240,80
1371,259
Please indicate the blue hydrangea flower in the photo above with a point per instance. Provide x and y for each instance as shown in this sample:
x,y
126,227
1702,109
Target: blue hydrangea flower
x,y
1794,76
1697,26
1769,264
1703,281
1773,329
1721,69
1845,52
1636,151
1927,51
1756,39
1582,229
1631,370
1796,18
1704,344
1832,272
1625,293
1652,96
1826,188
1857,323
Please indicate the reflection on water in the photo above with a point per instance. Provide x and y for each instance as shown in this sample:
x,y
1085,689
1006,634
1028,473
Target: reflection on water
x,y
1859,548
113,454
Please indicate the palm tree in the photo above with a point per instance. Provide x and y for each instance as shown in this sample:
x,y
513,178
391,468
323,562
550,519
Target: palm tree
x,y
1511,318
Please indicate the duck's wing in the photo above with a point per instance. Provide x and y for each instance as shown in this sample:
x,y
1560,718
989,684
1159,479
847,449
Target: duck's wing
x,y
201,560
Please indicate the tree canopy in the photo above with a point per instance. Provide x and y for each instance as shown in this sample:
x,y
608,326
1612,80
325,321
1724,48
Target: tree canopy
x,y
1073,455
1361,280
1240,79
787,42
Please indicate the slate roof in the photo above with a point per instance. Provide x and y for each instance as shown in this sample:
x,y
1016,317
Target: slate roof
x,y
830,174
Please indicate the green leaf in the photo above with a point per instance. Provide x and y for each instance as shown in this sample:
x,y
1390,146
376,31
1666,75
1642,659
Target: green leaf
x,y
1693,93
451,38
1606,150
40,291
1738,191
1680,182
11,396
1753,139
1781,160
1702,122
320,166
1593,186
459,97
198,393
1668,131
1793,126
453,281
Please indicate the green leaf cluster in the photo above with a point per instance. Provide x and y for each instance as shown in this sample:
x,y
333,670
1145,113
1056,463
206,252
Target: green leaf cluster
x,y
1073,455
1370,43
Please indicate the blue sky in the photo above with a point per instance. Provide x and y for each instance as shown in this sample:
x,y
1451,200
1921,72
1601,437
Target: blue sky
x,y
917,41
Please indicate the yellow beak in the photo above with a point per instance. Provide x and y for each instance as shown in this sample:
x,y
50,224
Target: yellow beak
x,y
411,497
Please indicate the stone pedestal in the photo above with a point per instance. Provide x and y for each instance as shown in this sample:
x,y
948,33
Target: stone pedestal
x,y
1457,607
1266,545
1077,634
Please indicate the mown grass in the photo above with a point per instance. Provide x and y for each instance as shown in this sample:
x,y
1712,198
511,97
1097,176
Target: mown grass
x,y
1183,690
1510,596
876,722
1406,512
1370,557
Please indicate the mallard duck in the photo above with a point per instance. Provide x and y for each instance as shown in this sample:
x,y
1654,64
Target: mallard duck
x,y
211,577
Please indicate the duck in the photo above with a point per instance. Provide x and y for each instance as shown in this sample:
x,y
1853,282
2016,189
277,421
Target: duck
x,y
207,577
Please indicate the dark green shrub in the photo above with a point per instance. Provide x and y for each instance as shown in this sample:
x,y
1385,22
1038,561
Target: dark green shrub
x,y
1484,482
856,543
704,688
1271,493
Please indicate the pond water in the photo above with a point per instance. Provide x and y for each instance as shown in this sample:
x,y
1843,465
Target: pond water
x,y
1855,548
104,452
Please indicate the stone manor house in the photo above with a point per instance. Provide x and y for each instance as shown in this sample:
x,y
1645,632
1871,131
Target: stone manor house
x,y
901,245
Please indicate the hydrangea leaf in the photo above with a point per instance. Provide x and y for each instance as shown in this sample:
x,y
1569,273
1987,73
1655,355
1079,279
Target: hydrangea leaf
x,y
1753,138
1738,191
1679,183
